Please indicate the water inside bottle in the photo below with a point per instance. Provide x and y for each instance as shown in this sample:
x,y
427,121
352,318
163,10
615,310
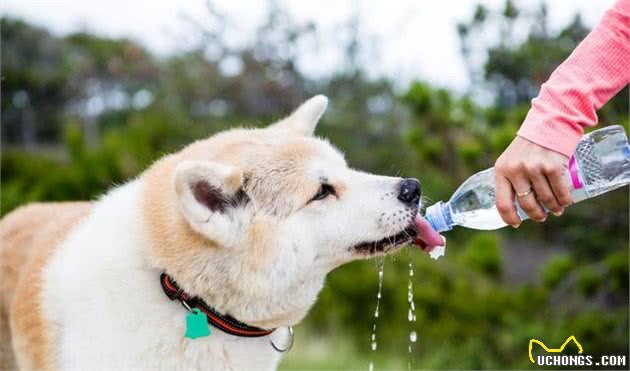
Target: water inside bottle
x,y
476,206
482,219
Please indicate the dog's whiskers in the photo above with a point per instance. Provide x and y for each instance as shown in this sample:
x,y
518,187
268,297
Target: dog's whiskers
x,y
408,235
424,202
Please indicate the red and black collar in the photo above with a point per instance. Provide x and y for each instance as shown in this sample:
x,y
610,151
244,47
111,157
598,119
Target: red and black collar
x,y
223,322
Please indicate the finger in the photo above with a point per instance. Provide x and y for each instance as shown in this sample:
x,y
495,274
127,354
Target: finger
x,y
528,203
559,186
544,194
504,198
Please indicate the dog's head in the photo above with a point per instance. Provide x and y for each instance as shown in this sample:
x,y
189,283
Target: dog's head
x,y
253,219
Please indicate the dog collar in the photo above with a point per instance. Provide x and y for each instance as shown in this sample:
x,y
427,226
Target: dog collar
x,y
223,322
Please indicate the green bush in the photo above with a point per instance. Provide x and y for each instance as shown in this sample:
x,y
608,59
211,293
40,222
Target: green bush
x,y
470,314
617,265
482,253
556,269
588,281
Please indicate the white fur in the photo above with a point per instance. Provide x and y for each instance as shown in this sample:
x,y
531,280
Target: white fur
x,y
109,311
101,288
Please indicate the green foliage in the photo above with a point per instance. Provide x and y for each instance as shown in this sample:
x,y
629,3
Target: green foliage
x,y
617,265
588,281
472,310
556,269
482,253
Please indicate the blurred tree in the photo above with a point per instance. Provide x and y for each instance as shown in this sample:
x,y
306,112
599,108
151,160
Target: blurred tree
x,y
34,89
109,108
512,67
108,76
47,79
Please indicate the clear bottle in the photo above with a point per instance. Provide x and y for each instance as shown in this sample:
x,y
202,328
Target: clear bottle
x,y
601,163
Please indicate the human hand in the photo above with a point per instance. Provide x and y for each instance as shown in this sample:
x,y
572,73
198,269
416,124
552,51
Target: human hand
x,y
536,175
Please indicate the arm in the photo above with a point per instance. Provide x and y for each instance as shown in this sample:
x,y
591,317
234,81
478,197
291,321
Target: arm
x,y
567,103
596,70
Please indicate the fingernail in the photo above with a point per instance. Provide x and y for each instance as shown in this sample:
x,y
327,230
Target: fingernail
x,y
557,213
516,225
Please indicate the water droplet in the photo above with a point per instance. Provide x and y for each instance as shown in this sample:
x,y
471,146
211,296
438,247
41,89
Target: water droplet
x,y
413,336
376,310
411,316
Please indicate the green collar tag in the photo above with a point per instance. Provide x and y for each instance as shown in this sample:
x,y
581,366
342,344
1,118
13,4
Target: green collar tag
x,y
197,324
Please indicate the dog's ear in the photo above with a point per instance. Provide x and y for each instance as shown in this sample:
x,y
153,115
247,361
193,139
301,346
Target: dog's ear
x,y
210,195
304,119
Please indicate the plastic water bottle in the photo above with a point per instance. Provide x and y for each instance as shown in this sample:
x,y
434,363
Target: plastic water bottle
x,y
601,163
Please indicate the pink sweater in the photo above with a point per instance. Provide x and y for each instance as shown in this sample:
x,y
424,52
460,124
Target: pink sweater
x,y
596,70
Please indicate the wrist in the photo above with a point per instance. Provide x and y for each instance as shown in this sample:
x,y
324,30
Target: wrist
x,y
559,138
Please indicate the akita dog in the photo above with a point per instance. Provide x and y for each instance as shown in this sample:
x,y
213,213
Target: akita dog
x,y
239,229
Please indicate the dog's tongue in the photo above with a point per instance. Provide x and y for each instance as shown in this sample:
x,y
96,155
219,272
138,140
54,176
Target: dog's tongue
x,y
428,239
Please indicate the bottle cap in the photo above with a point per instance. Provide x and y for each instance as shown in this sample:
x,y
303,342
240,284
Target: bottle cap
x,y
436,217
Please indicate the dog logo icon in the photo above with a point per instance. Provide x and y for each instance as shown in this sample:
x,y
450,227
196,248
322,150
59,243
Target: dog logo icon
x,y
553,350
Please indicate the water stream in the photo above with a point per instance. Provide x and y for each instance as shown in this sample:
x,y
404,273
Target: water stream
x,y
373,341
411,314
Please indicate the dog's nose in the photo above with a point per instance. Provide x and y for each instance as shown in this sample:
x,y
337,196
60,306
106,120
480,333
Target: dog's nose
x,y
409,191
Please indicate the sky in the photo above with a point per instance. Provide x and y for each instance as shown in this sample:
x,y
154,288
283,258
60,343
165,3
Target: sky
x,y
409,39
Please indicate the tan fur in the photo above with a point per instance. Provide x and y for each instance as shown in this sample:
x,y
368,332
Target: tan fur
x,y
168,232
30,234
24,252
250,182
260,238
263,157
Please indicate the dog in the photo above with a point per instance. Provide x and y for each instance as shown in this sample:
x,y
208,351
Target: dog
x,y
245,225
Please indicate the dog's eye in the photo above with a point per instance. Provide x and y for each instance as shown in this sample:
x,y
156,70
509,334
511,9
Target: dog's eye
x,y
325,190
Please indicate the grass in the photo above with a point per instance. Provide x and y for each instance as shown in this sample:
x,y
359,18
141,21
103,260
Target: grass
x,y
337,353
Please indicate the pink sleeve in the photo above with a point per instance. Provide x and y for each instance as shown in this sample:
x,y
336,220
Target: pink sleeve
x,y
596,70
